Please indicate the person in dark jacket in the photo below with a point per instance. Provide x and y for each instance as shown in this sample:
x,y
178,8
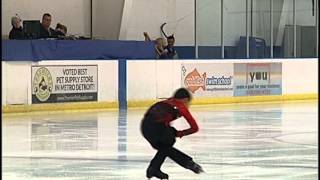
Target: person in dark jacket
x,y
159,46
156,129
171,51
17,30
45,30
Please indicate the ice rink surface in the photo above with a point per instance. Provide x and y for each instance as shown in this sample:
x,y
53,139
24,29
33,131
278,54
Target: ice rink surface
x,y
239,141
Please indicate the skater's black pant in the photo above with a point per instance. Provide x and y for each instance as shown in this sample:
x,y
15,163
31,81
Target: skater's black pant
x,y
162,138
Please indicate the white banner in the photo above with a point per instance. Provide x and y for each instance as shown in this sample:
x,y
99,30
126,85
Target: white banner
x,y
64,83
208,79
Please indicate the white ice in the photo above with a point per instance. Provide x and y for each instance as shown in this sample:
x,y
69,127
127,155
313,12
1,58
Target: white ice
x,y
239,141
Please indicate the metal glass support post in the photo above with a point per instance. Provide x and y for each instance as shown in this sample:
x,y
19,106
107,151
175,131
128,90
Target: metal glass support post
x,y
247,34
294,30
91,23
251,18
222,39
271,28
317,27
195,30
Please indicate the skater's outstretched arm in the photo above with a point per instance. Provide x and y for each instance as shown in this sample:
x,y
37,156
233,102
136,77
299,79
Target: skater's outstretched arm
x,y
191,121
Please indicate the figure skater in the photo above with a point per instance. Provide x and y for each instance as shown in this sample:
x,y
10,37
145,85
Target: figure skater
x,y
156,129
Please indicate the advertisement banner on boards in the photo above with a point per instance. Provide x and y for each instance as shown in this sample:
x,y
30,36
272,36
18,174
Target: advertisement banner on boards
x,y
257,79
64,83
208,79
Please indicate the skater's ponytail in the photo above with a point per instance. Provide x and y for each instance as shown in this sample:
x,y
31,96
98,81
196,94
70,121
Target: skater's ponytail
x,y
182,93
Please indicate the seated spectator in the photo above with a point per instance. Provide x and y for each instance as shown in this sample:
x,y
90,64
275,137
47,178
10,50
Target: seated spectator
x,y
171,52
61,30
159,47
17,30
45,30
161,52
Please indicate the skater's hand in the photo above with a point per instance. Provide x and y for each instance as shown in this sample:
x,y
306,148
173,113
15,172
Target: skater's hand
x,y
179,134
176,132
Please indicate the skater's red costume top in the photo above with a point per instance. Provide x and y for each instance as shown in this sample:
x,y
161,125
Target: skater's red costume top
x,y
169,110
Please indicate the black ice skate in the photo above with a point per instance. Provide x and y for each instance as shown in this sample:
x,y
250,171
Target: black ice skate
x,y
196,168
151,172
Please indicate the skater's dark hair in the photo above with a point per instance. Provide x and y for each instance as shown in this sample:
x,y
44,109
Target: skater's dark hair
x,y
182,93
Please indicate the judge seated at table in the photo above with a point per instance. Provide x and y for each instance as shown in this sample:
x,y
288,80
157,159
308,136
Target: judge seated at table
x,y
45,30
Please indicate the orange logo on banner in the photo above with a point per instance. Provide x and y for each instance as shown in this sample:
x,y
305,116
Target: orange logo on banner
x,y
193,81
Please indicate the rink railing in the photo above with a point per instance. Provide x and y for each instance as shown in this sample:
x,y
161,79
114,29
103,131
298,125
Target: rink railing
x,y
101,84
